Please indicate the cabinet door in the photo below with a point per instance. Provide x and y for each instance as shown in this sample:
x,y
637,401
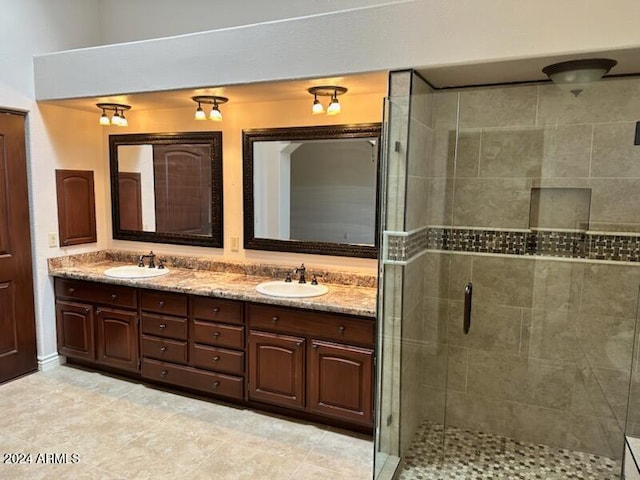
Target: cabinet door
x,y
117,338
75,328
276,369
340,381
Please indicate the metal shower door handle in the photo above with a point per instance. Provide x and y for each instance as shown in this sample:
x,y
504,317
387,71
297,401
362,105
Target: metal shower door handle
x,y
468,294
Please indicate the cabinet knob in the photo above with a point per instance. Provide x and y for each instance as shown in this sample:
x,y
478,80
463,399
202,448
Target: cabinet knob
x,y
113,296
71,290
87,310
98,312
298,344
163,372
315,346
163,348
216,334
274,319
215,384
216,358
341,328
216,309
162,325
161,303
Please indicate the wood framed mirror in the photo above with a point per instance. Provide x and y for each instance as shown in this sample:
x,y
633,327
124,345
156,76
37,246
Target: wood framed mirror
x,y
167,187
312,189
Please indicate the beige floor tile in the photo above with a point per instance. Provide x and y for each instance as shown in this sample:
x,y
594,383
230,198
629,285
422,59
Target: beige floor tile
x,y
237,462
124,430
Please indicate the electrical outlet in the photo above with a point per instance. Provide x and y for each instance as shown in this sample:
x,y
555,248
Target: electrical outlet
x,y
53,239
235,244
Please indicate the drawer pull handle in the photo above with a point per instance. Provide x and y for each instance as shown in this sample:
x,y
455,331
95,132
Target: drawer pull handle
x,y
163,372
274,319
216,309
113,296
162,325
161,303
215,384
341,328
216,334
163,348
216,358
71,290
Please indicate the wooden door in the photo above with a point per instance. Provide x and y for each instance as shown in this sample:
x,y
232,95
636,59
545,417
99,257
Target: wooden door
x,y
130,200
340,381
182,184
276,369
75,329
117,338
17,314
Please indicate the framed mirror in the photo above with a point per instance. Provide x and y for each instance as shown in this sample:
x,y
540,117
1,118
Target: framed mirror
x,y
312,189
167,187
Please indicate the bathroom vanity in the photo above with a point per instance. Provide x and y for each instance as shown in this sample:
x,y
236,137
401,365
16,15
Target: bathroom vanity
x,y
211,333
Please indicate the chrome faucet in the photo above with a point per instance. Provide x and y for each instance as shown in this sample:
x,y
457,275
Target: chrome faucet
x,y
150,256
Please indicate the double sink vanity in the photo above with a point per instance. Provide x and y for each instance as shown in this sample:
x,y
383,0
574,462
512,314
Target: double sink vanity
x,y
205,326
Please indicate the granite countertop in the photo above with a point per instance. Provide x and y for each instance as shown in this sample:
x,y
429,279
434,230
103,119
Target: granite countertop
x,y
347,299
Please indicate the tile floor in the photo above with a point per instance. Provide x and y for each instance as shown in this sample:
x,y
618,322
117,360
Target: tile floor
x,y
116,429
482,456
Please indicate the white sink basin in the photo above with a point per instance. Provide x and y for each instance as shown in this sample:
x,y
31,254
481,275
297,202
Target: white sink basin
x,y
133,271
280,288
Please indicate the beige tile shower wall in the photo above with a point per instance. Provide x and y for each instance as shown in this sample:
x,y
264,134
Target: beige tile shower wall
x,y
548,356
513,138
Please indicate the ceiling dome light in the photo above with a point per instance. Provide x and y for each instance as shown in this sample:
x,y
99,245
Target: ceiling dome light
x,y
576,75
214,100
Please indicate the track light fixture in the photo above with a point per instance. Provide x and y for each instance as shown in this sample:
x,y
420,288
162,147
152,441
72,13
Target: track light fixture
x,y
326,91
575,75
213,100
117,118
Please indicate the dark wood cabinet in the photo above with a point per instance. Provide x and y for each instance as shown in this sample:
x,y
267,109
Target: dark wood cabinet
x,y
117,338
315,361
97,323
276,368
76,207
311,364
75,328
339,381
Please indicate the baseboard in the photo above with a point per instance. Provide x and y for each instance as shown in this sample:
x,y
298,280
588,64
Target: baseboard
x,y
51,361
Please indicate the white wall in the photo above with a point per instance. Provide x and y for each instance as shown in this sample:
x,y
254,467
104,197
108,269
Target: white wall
x,y
56,138
127,20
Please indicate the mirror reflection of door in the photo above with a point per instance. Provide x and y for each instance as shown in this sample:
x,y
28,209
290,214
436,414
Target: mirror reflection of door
x,y
182,204
130,197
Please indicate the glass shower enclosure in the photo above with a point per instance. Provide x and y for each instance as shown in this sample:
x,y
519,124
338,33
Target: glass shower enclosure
x,y
508,280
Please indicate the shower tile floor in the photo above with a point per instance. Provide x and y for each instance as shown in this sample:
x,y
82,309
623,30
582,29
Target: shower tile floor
x,y
482,456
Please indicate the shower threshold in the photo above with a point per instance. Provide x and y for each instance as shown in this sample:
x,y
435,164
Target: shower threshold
x,y
479,456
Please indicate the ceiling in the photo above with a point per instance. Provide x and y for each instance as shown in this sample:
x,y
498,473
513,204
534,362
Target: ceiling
x,y
446,76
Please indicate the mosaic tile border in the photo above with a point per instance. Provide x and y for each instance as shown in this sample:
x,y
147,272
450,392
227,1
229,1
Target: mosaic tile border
x,y
402,247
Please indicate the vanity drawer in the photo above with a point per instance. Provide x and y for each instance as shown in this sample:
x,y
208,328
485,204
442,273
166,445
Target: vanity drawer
x,y
345,329
217,309
101,293
219,359
216,383
164,302
218,334
164,349
164,326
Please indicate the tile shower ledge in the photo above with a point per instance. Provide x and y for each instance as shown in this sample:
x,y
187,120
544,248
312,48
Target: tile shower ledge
x,y
346,299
